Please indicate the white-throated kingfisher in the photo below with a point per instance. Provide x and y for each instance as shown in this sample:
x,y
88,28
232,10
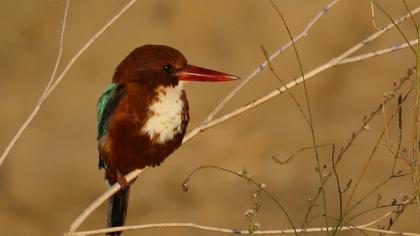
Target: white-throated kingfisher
x,y
142,116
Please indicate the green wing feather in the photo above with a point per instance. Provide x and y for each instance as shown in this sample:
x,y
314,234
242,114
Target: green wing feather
x,y
105,108
101,123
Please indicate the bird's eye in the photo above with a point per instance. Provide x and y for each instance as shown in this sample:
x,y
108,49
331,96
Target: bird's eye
x,y
167,68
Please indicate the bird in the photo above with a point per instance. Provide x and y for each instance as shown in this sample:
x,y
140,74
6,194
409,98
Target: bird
x,y
142,116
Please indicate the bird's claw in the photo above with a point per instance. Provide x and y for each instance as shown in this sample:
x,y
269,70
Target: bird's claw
x,y
122,181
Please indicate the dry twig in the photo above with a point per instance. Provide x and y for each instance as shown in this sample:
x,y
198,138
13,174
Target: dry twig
x,y
331,63
101,199
265,63
54,82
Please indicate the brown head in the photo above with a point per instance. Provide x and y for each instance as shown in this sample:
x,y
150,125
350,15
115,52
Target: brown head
x,y
162,65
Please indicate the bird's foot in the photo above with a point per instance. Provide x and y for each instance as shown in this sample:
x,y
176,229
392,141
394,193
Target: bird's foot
x,y
122,181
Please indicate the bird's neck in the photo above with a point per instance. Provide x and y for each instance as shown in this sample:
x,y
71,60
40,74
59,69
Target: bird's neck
x,y
165,113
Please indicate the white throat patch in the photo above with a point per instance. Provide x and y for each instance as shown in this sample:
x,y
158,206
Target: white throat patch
x,y
165,114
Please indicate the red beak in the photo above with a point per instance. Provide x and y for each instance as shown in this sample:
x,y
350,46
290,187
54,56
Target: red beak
x,y
195,73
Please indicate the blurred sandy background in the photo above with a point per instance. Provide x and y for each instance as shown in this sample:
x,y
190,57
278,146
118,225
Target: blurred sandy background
x,y
51,175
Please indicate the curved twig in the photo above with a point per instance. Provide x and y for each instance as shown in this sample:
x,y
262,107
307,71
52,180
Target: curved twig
x,y
52,85
331,63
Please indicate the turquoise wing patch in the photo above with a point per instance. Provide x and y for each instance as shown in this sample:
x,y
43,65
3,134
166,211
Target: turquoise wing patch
x,y
105,107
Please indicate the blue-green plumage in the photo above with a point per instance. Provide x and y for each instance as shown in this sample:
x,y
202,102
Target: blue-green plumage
x,y
105,107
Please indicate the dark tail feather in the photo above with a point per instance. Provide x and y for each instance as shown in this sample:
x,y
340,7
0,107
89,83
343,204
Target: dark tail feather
x,y
117,209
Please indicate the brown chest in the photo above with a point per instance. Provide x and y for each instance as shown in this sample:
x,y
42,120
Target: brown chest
x,y
145,131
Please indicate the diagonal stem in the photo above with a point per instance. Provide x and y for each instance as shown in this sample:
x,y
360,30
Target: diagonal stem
x,y
265,63
52,85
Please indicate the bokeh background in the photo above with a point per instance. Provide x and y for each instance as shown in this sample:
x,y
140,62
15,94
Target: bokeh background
x,y
51,175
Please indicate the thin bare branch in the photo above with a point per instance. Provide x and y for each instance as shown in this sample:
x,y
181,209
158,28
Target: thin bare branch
x,y
57,81
411,16
393,22
244,175
292,96
284,162
340,192
346,147
60,50
234,231
264,63
331,63
379,207
377,52
101,199
372,8
416,158
365,166
35,111
311,123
